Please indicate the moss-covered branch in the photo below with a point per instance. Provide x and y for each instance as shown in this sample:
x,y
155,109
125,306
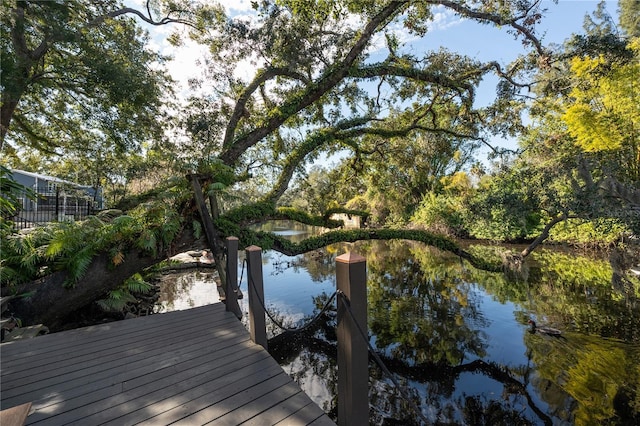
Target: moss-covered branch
x,y
232,222
270,241
289,213
312,143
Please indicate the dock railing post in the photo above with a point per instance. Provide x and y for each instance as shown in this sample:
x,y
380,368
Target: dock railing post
x,y
353,354
231,286
257,322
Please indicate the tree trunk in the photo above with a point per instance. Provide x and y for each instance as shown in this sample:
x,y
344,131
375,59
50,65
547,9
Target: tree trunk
x,y
543,235
52,302
6,113
49,302
16,83
213,237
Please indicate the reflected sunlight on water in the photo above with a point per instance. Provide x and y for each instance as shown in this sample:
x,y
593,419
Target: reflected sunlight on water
x,y
186,290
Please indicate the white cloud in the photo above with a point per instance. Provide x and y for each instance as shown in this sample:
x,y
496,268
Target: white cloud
x,y
237,6
442,19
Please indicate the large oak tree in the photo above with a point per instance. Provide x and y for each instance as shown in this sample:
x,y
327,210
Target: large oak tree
x,y
301,78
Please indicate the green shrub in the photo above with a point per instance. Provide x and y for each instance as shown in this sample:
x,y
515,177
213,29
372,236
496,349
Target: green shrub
x,y
597,233
440,213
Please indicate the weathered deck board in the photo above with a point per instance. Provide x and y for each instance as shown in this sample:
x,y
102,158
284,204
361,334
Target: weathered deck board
x,y
191,367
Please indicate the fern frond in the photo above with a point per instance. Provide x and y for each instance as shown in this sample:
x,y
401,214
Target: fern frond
x,y
54,248
10,276
122,221
123,228
110,305
197,229
147,241
121,294
94,222
30,260
77,265
170,229
136,284
215,188
66,238
117,258
20,244
116,300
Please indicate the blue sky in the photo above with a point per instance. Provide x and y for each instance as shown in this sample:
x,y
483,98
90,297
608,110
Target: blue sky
x,y
486,42
490,43
482,42
562,19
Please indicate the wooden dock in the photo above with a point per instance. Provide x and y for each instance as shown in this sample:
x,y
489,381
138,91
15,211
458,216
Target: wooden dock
x,y
191,367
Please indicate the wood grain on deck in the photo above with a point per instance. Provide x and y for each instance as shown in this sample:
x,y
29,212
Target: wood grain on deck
x,y
191,367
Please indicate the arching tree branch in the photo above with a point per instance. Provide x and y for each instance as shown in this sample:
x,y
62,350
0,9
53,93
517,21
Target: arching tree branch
x,y
271,241
313,92
390,69
261,77
499,20
543,235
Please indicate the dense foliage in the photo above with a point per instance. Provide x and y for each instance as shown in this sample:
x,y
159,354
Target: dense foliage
x,y
71,246
337,77
75,78
580,154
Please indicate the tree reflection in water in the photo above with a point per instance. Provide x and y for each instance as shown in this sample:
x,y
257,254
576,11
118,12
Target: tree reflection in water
x,y
457,339
186,290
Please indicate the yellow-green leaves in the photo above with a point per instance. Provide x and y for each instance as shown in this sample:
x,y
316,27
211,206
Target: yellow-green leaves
x,y
605,113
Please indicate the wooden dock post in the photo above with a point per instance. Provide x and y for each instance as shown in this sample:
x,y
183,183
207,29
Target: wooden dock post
x,y
353,354
257,322
231,286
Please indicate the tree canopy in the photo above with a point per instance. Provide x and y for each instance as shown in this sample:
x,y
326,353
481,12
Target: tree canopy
x,y
77,73
298,79
324,84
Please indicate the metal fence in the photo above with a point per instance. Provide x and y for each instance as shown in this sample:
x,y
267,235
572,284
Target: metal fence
x,y
53,205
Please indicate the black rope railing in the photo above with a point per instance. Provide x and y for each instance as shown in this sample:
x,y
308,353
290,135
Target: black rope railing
x,y
277,323
378,360
363,335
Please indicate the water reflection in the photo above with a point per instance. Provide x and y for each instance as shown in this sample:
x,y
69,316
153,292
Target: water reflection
x,y
457,339
290,285
422,314
185,290
290,229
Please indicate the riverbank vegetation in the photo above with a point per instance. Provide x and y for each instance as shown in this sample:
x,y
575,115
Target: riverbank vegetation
x,y
401,119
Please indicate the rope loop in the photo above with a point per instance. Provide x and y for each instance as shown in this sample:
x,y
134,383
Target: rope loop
x,y
378,360
363,335
277,323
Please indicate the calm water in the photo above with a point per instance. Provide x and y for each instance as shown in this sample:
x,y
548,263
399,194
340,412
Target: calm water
x,y
457,338
185,290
